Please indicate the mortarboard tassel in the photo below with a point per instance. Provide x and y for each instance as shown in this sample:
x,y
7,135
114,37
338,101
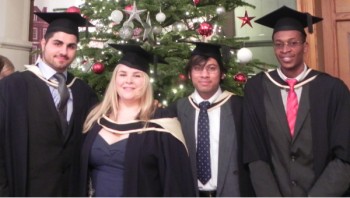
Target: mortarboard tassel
x,y
309,23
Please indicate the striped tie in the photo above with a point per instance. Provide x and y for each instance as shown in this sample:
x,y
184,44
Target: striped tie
x,y
64,96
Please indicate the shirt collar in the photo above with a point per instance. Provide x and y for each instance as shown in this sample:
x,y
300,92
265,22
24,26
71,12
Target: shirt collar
x,y
198,99
299,78
47,71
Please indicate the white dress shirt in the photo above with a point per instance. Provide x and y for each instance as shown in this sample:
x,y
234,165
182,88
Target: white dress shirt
x,y
298,90
214,125
49,73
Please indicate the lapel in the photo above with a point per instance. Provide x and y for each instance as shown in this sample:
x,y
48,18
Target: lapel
x,y
303,110
187,114
226,144
76,103
275,99
47,94
45,91
304,106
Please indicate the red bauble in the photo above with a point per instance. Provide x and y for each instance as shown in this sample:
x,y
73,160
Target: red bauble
x,y
196,2
129,7
240,78
182,77
73,9
98,68
205,29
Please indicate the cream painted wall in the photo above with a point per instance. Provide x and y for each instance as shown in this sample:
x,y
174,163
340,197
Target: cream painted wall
x,y
259,36
14,27
57,4
14,31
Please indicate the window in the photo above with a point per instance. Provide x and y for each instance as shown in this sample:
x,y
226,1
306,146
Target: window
x,y
35,33
44,31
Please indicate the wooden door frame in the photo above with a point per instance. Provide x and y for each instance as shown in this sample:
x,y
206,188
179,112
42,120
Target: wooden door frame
x,y
331,15
314,58
330,38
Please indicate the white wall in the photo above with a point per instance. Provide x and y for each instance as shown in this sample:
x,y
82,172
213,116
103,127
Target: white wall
x,y
14,31
57,4
14,27
259,33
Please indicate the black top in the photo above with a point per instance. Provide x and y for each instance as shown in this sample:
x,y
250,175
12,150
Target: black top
x,y
107,167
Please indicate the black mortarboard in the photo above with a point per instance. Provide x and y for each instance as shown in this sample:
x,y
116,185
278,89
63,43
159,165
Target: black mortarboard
x,y
208,49
67,22
135,56
286,18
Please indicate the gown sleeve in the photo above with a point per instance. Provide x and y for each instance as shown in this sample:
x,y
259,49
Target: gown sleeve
x,y
334,180
157,164
254,129
176,168
3,178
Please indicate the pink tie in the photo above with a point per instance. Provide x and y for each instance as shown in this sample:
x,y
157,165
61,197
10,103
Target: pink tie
x,y
292,105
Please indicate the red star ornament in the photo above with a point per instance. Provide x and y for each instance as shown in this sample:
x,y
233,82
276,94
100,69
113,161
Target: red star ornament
x,y
246,19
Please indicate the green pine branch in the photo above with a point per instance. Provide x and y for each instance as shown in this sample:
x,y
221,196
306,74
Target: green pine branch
x,y
169,82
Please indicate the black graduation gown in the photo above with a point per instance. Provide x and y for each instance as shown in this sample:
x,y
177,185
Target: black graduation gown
x,y
329,112
31,141
156,164
235,103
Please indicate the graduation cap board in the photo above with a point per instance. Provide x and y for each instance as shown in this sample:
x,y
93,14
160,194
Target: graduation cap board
x,y
67,22
286,18
208,49
135,56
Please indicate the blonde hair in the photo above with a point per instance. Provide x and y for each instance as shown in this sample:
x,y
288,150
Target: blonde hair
x,y
109,104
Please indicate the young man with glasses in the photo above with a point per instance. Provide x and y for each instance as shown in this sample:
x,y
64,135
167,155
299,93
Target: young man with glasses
x,y
211,122
296,119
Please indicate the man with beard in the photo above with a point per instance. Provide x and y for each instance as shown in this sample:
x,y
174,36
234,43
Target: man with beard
x,y
42,111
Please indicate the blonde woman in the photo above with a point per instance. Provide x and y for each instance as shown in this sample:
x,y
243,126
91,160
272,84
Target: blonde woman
x,y
127,152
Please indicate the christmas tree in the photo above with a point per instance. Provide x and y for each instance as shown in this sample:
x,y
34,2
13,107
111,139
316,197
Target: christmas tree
x,y
164,28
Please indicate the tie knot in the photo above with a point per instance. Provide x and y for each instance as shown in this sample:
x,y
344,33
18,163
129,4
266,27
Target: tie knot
x,y
60,77
291,82
204,105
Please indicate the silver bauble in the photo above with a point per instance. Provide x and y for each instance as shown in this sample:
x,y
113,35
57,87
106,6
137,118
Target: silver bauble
x,y
126,32
117,16
220,10
179,27
157,30
160,17
244,55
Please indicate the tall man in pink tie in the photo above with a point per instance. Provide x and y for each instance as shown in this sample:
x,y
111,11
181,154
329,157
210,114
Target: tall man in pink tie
x,y
296,119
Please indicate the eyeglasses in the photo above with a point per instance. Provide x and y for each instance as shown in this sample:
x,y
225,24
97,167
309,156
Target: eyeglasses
x,y
290,44
210,69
